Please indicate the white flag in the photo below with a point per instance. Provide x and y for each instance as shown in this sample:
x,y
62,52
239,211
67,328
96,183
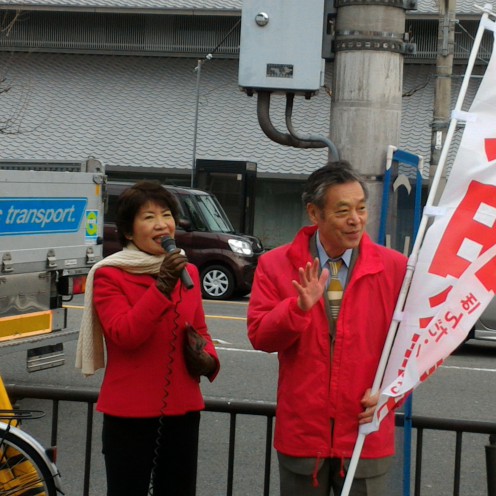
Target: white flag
x,y
454,279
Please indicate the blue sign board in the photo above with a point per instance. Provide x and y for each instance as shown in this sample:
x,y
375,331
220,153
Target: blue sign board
x,y
40,215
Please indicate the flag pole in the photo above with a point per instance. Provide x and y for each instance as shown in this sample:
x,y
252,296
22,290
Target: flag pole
x,y
412,260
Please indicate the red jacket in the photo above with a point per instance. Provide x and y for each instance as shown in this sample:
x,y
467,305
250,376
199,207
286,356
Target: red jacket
x,y
318,405
144,339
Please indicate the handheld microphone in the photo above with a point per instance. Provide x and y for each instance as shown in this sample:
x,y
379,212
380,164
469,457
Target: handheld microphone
x,y
169,245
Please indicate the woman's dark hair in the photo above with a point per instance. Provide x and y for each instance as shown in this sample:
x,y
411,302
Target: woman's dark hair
x,y
132,199
322,179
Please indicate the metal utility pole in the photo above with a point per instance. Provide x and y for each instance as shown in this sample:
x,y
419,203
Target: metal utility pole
x,y
442,95
367,87
195,130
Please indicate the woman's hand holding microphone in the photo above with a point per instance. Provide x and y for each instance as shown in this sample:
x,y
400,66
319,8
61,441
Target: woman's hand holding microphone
x,y
170,271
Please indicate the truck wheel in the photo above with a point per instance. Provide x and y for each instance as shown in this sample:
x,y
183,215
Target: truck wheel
x,y
217,283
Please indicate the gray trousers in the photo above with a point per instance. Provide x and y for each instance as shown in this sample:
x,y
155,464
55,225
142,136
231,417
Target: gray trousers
x,y
296,476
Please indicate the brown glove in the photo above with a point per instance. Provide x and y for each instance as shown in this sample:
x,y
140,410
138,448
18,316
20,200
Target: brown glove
x,y
170,271
198,361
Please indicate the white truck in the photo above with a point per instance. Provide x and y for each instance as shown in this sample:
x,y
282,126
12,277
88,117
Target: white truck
x,y
51,234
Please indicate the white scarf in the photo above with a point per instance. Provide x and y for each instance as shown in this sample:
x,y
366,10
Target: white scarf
x,y
90,349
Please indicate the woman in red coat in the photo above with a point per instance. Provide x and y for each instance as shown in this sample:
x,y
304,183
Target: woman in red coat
x,y
157,347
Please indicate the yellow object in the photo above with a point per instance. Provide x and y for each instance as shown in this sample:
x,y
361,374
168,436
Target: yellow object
x,y
5,403
18,476
20,326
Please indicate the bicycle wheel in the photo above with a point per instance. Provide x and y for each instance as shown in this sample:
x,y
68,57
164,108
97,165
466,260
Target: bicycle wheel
x,y
23,472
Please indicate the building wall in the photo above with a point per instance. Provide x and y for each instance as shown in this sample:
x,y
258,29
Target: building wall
x,y
279,211
138,112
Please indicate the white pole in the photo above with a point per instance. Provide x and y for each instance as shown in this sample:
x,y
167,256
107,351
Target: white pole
x,y
412,261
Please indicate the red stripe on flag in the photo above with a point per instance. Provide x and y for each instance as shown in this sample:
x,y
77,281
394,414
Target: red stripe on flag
x,y
436,300
490,145
424,322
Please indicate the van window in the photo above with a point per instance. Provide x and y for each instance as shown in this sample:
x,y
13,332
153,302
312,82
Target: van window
x,y
214,216
193,214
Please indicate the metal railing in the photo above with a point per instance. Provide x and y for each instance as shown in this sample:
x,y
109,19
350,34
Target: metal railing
x,y
459,427
266,409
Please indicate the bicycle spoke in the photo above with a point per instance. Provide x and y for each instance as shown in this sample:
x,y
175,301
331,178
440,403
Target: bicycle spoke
x,y
22,471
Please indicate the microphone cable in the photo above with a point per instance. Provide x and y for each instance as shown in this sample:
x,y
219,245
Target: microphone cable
x,y
167,383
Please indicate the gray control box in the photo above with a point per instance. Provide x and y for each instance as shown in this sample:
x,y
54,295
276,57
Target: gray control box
x,y
281,45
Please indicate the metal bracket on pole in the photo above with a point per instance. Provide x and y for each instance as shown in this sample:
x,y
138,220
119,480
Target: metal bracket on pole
x,y
379,45
401,4
374,40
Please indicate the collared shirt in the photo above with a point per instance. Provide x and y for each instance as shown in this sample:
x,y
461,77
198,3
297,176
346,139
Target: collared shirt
x,y
324,258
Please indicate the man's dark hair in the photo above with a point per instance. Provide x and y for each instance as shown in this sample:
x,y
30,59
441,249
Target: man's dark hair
x,y
319,181
133,198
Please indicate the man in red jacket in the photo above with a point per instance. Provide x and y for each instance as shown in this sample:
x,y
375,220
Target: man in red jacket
x,y
327,362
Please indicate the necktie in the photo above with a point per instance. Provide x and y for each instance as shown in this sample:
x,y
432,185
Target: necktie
x,y
335,289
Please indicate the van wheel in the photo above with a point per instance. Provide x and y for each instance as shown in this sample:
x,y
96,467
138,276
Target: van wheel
x,y
217,283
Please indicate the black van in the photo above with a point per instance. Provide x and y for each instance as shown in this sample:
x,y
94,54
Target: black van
x,y
225,259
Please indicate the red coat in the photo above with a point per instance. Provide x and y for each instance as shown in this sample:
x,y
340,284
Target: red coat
x,y
142,331
318,406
